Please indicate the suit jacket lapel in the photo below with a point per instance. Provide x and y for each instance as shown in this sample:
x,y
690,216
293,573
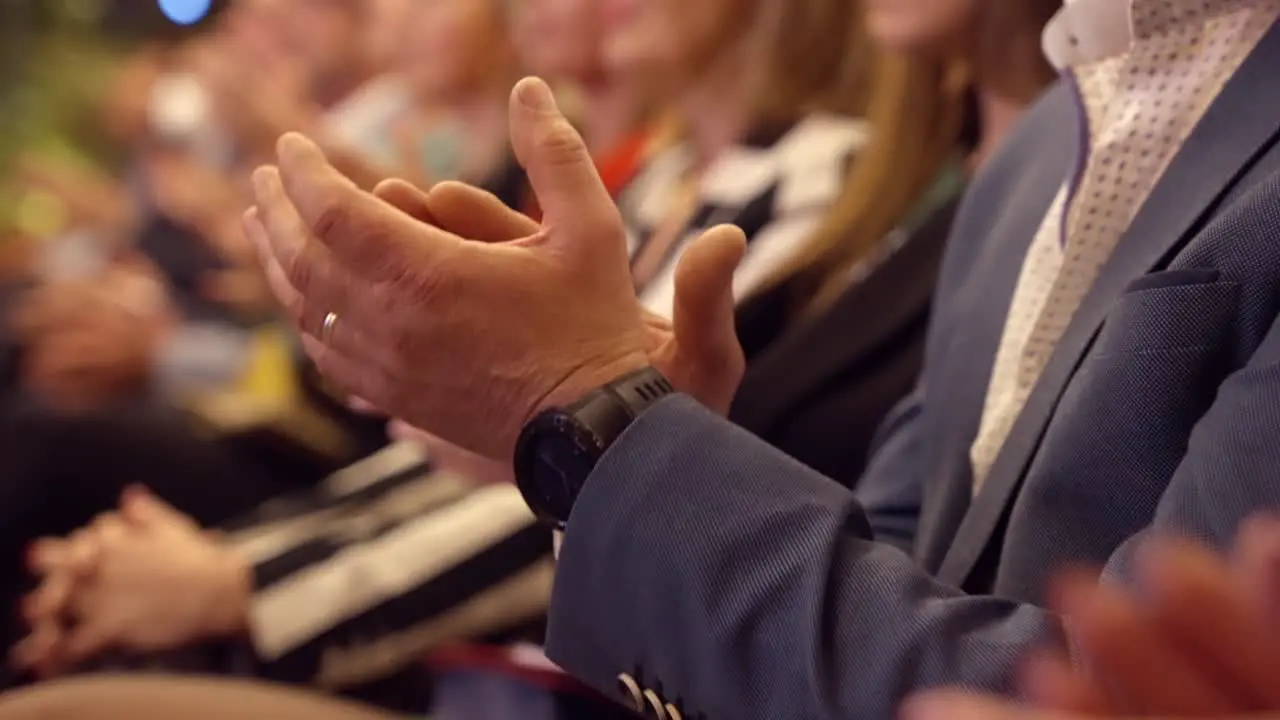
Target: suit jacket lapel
x,y
1242,121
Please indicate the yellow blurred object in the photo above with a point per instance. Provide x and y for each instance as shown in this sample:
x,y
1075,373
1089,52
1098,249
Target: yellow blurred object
x,y
40,214
268,397
269,375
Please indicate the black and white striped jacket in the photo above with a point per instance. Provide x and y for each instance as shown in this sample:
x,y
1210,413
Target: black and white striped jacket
x,y
776,186
356,581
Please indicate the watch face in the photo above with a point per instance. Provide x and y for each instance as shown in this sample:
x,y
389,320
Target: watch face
x,y
559,470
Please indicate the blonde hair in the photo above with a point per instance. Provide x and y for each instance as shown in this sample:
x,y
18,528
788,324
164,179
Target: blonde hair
x,y
814,56
916,111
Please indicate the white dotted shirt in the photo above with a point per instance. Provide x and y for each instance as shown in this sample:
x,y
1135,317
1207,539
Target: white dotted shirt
x,y
1142,84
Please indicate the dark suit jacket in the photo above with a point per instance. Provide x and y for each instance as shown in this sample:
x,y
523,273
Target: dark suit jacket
x,y
739,584
819,390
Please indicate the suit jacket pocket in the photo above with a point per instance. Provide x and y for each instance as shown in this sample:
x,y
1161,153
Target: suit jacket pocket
x,y
1171,311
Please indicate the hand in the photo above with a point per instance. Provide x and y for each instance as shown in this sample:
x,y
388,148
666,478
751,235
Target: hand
x,y
469,327
1199,637
968,706
449,458
144,580
243,290
188,192
1199,642
88,343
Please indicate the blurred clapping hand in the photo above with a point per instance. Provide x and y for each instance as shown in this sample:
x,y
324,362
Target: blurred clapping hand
x,y
1200,639
88,342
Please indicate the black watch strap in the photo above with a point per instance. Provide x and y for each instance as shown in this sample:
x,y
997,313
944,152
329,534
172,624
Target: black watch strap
x,y
560,447
609,411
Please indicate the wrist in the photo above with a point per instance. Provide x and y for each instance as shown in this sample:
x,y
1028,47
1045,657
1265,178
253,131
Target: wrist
x,y
233,597
587,379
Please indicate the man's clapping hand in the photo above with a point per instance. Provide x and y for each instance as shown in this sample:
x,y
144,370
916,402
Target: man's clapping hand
x,y
468,319
1201,639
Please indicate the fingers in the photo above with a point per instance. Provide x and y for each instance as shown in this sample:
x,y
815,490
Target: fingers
x,y
362,406
39,651
141,508
564,178
355,378
703,312
88,640
1255,564
405,197
304,277
475,214
1208,618
1049,681
1128,651
364,234
51,600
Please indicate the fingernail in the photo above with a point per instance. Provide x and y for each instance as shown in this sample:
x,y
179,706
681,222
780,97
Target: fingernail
x,y
293,146
262,180
535,95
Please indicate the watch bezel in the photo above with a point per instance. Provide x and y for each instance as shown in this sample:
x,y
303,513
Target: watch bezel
x,y
560,427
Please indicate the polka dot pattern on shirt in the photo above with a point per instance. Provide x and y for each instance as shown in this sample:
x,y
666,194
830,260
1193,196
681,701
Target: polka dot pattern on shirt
x,y
1140,108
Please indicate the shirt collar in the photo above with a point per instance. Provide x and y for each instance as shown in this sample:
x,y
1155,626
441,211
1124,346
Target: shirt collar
x,y
1087,31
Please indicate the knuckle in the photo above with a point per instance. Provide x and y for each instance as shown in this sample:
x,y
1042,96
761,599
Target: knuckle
x,y
561,144
299,270
333,219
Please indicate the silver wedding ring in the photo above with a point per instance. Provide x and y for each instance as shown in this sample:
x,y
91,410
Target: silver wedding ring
x,y
327,328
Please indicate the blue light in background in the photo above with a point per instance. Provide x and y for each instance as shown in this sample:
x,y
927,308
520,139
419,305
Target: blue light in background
x,y
185,12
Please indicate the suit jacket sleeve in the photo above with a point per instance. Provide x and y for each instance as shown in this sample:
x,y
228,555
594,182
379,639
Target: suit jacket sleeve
x,y
739,583
891,488
750,587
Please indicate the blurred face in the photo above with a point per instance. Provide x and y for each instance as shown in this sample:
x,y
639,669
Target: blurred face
x,y
386,25
669,36
321,33
449,44
933,27
558,38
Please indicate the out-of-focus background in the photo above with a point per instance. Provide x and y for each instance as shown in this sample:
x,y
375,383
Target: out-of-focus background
x,y
140,344
56,61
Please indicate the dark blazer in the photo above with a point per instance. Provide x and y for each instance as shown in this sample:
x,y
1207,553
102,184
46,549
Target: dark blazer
x,y
736,583
819,390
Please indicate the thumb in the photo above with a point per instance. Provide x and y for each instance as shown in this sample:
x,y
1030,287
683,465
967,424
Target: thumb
x,y
143,509
574,201
703,312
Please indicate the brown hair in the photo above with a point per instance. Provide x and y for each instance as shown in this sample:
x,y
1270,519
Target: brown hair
x,y
916,114
815,56
1006,46
917,111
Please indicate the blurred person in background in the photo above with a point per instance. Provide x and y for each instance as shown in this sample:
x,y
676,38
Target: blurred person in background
x,y
1197,640
492,542
836,336
563,42
768,96
765,99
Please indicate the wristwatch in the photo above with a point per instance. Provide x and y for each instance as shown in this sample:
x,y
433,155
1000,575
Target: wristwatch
x,y
560,447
